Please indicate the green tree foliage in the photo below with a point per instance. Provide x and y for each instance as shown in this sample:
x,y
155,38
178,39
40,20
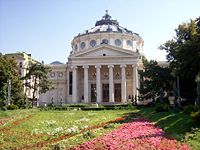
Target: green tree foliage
x,y
183,53
9,71
38,72
154,80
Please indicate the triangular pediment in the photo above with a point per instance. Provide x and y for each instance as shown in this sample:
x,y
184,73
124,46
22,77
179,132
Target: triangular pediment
x,y
104,50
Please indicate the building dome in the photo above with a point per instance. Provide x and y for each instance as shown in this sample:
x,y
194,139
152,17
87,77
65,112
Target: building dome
x,y
107,31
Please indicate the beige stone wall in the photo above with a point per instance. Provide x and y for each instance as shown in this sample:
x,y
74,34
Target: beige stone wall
x,y
58,76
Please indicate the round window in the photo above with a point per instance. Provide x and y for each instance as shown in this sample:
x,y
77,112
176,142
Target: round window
x,y
104,41
52,74
82,45
92,43
60,74
129,43
118,42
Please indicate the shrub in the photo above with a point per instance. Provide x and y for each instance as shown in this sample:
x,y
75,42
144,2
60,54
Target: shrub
x,y
87,108
24,103
41,108
78,105
65,107
196,116
190,108
88,135
12,107
57,146
161,107
111,125
3,104
117,108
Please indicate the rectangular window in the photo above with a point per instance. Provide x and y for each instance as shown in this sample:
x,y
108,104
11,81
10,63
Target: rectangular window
x,y
70,82
20,73
20,65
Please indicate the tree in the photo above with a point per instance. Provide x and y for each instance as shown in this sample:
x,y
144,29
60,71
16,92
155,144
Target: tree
x,y
183,53
9,71
155,80
40,83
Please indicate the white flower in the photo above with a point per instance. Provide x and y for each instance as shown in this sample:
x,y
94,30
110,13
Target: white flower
x,y
83,120
73,129
91,114
55,131
36,131
85,127
50,122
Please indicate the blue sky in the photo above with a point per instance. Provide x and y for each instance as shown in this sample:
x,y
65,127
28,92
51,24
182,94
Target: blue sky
x,y
45,28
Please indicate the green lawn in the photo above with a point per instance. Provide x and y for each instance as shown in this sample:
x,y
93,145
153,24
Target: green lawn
x,y
51,129
176,125
24,128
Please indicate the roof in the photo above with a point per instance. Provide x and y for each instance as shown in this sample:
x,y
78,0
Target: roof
x,y
106,24
56,63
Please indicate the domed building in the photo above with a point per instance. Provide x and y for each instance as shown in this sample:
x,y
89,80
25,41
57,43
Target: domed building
x,y
101,68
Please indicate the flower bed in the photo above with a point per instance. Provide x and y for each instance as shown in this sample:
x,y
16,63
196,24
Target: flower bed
x,y
73,132
137,134
15,123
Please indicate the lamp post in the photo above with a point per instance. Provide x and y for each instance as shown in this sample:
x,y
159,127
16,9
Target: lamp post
x,y
9,90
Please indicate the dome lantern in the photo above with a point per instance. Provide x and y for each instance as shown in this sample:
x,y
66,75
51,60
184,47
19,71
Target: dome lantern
x,y
106,20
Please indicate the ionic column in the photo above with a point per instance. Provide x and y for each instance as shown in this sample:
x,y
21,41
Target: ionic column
x,y
123,82
135,80
74,86
111,84
98,83
85,84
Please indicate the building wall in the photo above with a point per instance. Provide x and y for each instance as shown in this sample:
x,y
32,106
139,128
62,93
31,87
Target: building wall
x,y
23,61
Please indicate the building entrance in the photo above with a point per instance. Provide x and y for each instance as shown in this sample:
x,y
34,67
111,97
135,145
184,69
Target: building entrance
x,y
93,93
117,92
105,92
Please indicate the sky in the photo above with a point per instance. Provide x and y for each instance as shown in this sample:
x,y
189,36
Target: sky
x,y
45,28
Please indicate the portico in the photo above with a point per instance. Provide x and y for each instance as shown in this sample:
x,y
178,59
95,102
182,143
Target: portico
x,y
104,83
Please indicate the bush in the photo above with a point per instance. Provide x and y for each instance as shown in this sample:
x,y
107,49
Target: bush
x,y
190,108
3,105
65,107
24,103
196,116
111,125
164,99
57,146
12,107
88,135
78,105
161,107
87,108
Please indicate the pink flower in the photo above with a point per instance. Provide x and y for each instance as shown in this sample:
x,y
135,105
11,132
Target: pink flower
x,y
138,134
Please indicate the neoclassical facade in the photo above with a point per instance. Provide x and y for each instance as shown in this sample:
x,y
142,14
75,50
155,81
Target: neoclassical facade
x,y
102,66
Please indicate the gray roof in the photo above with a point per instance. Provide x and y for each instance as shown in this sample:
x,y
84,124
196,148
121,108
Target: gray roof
x,y
106,24
56,63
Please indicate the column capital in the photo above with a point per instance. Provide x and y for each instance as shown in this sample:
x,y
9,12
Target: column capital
x,y
73,67
85,67
110,66
122,66
98,66
135,65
